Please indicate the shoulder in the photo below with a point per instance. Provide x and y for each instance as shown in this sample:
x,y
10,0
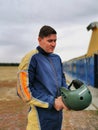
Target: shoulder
x,y
26,59
57,56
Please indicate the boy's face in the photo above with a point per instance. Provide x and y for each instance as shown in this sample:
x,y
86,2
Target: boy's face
x,y
48,43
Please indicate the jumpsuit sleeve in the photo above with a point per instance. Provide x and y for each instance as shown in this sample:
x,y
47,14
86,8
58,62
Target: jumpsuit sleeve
x,y
24,91
23,88
64,84
43,100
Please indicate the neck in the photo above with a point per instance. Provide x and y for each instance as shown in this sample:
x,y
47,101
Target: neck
x,y
41,50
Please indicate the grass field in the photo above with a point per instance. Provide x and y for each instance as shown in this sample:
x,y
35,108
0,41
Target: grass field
x,y
8,73
13,112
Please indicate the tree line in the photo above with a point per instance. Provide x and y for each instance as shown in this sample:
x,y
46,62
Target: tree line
x,y
9,64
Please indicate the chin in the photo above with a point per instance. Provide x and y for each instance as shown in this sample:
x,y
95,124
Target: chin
x,y
50,51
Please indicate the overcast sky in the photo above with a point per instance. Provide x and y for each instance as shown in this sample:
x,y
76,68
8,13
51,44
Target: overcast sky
x,y
20,21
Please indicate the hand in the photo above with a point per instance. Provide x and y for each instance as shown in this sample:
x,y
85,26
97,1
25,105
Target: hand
x,y
59,105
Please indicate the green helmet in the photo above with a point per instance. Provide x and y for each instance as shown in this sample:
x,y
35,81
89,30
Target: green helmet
x,y
77,99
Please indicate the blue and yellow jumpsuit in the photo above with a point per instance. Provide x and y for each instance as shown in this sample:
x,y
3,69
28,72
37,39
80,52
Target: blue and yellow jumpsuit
x,y
39,78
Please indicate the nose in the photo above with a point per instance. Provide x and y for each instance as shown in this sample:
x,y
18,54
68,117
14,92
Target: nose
x,y
53,43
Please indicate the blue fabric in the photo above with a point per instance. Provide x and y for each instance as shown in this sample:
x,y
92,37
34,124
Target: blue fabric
x,y
45,79
50,119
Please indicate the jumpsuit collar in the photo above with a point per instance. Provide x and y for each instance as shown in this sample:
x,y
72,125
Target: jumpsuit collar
x,y
42,51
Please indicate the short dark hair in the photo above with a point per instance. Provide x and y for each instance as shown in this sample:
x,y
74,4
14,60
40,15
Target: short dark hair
x,y
46,31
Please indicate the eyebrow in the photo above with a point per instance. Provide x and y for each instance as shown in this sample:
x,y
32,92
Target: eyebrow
x,y
51,40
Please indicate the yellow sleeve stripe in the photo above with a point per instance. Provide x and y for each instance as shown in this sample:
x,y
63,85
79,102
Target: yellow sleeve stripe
x,y
24,84
24,92
26,59
22,81
38,103
23,89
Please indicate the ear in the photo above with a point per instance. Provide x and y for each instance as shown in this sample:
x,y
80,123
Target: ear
x,y
39,39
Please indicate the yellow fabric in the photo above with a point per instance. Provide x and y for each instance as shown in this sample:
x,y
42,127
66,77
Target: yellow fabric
x,y
25,61
33,120
22,77
20,93
22,86
38,103
93,45
23,91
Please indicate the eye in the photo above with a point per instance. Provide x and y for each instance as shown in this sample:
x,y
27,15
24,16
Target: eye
x,y
50,41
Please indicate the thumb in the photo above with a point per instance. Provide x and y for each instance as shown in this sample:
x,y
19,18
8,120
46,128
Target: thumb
x,y
65,107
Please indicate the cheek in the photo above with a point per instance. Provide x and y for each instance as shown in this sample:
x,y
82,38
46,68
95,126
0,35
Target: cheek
x,y
46,45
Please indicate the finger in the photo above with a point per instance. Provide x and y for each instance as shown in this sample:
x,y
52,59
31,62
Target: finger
x,y
60,97
65,107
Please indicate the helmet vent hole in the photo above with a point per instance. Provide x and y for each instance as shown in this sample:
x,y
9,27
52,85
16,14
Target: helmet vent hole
x,y
89,92
81,98
62,93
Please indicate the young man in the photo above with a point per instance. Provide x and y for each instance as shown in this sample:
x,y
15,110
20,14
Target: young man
x,y
40,78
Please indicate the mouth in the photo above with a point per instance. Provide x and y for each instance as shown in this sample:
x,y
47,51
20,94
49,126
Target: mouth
x,y
52,48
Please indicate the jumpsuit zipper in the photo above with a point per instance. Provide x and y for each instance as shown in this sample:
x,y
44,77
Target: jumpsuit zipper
x,y
55,74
